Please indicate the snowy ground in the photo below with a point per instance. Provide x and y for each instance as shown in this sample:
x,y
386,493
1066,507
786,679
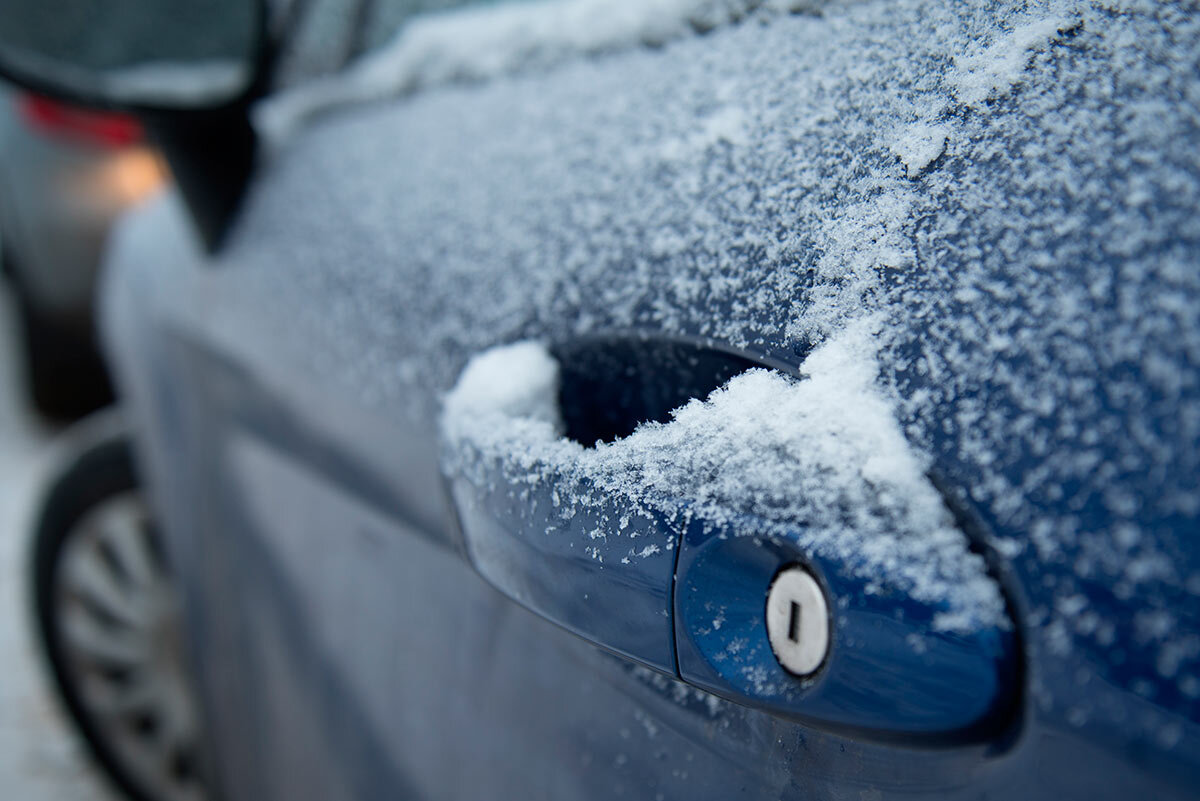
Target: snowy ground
x,y
40,757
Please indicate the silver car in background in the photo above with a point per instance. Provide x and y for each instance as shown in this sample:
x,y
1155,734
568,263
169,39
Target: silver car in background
x,y
65,176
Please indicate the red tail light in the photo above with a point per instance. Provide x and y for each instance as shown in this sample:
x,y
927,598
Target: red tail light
x,y
58,119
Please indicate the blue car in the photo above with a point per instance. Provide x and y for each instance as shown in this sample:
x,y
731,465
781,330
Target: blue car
x,y
692,399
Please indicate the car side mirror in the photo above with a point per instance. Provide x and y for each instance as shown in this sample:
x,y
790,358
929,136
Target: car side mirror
x,y
187,68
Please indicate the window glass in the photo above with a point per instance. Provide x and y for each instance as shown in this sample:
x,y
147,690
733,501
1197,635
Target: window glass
x,y
385,17
318,37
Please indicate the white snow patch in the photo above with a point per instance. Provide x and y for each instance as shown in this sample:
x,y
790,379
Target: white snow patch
x,y
996,68
919,145
513,381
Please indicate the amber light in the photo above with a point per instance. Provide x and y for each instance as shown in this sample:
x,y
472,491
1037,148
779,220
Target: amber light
x,y
133,174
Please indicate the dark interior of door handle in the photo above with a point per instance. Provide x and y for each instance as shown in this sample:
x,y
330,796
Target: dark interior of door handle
x,y
680,593
561,559
609,386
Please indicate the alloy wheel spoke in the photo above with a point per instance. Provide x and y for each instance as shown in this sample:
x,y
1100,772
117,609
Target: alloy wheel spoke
x,y
120,699
90,579
125,529
116,621
85,637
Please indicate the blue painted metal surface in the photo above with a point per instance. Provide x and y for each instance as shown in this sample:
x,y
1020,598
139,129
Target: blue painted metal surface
x,y
889,673
322,616
570,565
347,649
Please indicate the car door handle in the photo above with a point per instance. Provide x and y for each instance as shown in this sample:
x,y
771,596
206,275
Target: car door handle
x,y
675,587
600,568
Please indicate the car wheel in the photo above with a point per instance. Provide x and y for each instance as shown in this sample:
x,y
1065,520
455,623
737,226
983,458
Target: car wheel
x,y
109,622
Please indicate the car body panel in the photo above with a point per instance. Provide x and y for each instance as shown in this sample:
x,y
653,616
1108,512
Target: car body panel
x,y
288,393
344,653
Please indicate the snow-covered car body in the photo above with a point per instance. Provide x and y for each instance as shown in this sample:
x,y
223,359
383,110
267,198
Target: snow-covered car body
x,y
963,243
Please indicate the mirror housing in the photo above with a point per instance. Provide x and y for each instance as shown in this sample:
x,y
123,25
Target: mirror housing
x,y
189,69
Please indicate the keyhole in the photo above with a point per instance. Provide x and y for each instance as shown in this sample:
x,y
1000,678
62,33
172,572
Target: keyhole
x,y
794,623
797,621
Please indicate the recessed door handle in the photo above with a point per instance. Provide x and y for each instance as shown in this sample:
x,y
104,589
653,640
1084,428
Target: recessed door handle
x,y
733,604
537,528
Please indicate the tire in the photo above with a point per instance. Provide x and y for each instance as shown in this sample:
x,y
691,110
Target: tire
x,y
64,371
109,627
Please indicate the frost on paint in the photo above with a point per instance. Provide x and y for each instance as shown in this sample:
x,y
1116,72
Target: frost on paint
x,y
824,454
919,145
993,69
1035,285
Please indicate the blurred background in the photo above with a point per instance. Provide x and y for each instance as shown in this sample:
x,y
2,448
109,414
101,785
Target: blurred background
x,y
41,758
66,176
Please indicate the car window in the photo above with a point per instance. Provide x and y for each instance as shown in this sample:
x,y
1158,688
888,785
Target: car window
x,y
382,19
318,37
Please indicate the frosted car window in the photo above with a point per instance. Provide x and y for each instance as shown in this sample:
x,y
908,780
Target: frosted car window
x,y
383,18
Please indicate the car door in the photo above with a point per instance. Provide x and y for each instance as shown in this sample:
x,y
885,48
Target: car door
x,y
380,608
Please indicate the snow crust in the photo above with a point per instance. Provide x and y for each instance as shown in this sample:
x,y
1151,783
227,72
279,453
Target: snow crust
x,y
994,69
919,145
514,382
825,454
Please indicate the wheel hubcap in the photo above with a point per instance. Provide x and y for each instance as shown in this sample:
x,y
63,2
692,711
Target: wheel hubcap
x,y
120,637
